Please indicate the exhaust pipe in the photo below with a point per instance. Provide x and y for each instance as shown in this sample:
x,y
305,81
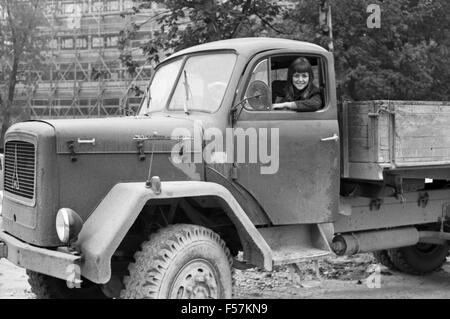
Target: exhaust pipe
x,y
355,243
434,237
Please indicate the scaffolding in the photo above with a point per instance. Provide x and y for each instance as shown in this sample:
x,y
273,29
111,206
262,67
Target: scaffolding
x,y
82,75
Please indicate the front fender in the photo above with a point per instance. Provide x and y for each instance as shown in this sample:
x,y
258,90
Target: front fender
x,y
109,223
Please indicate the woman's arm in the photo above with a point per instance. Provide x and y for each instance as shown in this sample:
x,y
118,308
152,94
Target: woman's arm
x,y
310,105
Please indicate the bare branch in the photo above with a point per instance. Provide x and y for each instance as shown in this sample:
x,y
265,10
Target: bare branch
x,y
267,23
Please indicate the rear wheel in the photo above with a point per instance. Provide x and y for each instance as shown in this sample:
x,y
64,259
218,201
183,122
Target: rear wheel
x,y
181,262
46,287
382,256
420,259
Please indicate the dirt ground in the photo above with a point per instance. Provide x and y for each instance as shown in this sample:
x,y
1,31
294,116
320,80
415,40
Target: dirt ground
x,y
358,277
329,278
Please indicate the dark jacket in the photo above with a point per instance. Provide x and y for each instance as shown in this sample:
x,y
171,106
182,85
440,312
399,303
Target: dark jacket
x,y
311,103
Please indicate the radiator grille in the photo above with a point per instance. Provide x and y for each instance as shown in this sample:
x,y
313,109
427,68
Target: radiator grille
x,y
20,168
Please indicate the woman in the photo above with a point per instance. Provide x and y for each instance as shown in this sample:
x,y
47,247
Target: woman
x,y
299,94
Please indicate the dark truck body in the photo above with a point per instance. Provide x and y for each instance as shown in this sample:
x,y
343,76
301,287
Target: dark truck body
x,y
373,180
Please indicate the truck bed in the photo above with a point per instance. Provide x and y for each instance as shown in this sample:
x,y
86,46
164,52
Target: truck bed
x,y
380,136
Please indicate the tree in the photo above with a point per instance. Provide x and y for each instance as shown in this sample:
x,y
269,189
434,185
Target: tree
x,y
20,44
407,58
185,23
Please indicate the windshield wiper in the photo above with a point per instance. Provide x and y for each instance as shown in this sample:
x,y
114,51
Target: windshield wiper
x,y
187,89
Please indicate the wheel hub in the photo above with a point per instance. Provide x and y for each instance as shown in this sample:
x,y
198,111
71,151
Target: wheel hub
x,y
196,280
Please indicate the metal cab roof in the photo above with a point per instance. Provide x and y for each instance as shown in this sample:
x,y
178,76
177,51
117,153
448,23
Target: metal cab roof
x,y
252,46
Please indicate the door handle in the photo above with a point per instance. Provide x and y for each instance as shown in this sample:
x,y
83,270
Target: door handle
x,y
334,138
92,142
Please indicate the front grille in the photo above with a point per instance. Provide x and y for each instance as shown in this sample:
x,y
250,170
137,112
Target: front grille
x,y
20,168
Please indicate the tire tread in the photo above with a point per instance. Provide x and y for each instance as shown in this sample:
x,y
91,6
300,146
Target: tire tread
x,y
162,247
401,261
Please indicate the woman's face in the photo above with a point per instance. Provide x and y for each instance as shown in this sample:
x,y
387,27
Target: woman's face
x,y
300,80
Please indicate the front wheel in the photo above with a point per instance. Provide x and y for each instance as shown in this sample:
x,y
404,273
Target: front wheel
x,y
420,259
181,262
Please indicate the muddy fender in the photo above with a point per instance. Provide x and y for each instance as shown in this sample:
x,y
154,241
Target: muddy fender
x,y
109,223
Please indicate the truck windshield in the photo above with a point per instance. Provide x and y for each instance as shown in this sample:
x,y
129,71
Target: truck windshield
x,y
159,91
202,84
200,87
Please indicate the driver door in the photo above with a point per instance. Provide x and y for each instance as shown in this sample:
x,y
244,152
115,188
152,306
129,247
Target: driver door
x,y
305,187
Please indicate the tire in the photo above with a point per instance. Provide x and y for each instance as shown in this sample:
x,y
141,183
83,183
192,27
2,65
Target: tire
x,y
382,256
420,259
46,287
181,261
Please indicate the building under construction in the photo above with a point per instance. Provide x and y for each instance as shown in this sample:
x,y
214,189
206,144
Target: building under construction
x,y
83,75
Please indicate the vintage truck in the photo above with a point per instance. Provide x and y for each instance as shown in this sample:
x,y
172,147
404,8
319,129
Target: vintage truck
x,y
144,207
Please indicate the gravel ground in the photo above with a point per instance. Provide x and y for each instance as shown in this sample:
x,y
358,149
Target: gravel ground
x,y
334,277
343,278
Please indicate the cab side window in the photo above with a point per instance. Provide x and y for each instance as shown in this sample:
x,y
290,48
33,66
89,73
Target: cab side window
x,y
296,82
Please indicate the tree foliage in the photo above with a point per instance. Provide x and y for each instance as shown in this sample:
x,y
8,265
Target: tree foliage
x,y
20,44
185,23
407,58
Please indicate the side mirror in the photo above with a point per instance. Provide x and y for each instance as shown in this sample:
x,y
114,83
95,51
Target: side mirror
x,y
259,96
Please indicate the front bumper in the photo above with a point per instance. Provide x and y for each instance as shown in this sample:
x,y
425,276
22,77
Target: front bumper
x,y
49,262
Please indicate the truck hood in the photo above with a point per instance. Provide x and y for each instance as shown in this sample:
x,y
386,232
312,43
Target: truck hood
x,y
118,135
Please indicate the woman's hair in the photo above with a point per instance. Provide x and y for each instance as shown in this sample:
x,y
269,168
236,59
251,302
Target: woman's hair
x,y
300,65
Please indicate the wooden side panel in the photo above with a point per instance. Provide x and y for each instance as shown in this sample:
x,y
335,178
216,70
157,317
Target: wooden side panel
x,y
396,134
384,141
422,135
358,132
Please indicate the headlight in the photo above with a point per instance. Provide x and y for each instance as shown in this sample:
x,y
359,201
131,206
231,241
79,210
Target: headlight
x,y
68,225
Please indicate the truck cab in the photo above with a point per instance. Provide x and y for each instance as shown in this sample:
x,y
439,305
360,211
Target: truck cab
x,y
206,169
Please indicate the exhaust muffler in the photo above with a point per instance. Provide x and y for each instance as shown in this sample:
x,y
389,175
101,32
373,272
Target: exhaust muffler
x,y
363,242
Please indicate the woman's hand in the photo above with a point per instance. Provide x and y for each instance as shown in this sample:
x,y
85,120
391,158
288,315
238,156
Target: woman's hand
x,y
282,106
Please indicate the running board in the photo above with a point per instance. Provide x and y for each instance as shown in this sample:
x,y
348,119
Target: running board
x,y
296,243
